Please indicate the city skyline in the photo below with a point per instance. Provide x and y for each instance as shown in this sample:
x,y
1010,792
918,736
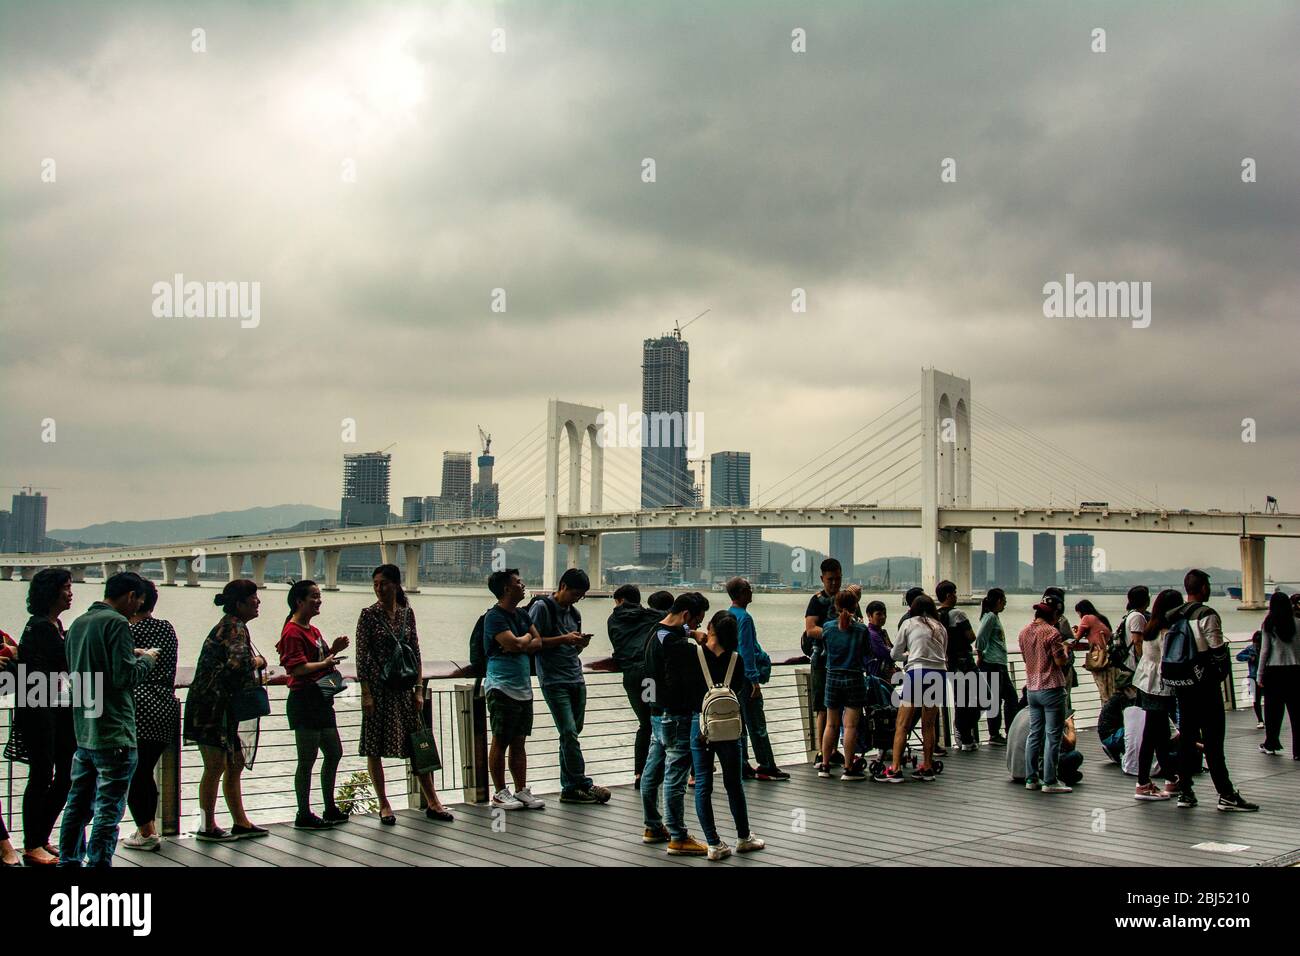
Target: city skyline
x,y
377,317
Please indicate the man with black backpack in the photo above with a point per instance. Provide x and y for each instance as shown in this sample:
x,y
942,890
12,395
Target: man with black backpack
x,y
1194,664
821,608
629,628
961,660
670,667
564,688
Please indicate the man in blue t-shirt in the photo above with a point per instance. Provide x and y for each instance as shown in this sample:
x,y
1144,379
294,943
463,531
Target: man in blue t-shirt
x,y
508,638
758,669
559,668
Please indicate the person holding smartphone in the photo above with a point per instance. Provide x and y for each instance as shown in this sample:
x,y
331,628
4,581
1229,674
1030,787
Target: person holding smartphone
x,y
308,660
559,667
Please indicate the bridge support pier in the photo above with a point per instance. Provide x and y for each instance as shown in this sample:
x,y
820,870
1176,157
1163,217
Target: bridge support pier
x,y
28,572
192,573
234,566
945,476
259,570
332,556
961,564
576,422
411,570
307,563
1252,575
169,572
79,575
593,559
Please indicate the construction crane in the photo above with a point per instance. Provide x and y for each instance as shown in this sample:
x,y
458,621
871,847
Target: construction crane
x,y
678,327
27,489
486,440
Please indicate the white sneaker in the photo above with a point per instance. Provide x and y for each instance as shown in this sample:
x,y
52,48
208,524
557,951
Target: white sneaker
x,y
719,851
525,797
750,844
505,800
1259,725
147,843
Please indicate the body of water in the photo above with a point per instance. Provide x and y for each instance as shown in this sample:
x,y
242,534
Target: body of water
x,y
445,616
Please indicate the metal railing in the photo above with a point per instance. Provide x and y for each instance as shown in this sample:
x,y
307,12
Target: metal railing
x,y
458,721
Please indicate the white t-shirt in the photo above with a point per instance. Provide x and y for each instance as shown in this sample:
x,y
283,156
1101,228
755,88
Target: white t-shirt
x,y
1146,677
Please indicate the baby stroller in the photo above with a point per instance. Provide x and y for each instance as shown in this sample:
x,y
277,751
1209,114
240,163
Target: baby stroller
x,y
882,719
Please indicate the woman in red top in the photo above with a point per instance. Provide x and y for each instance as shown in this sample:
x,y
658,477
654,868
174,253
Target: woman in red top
x,y
310,709
1094,627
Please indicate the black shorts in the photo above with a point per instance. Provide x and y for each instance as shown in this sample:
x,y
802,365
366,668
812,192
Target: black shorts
x,y
845,689
817,687
509,718
1157,703
308,709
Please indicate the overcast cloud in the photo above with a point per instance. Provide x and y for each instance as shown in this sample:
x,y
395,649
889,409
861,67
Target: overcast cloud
x,y
522,170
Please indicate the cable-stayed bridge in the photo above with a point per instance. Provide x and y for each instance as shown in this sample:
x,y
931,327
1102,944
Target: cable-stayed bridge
x,y
915,465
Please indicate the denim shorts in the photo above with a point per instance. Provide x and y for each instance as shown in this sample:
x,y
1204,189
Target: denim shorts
x,y
925,687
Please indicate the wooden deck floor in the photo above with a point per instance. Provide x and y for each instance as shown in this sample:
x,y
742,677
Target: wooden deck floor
x,y
974,815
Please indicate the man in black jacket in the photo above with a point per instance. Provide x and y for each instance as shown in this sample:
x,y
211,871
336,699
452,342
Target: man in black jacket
x,y
668,762
629,627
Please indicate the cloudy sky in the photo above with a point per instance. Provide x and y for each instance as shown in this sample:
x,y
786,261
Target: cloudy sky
x,y
522,169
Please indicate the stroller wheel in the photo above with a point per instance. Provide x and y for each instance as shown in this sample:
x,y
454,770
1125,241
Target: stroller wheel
x,y
875,767
938,766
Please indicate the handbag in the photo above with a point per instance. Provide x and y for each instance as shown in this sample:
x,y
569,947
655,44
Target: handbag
x,y
331,684
402,669
251,702
424,751
1097,658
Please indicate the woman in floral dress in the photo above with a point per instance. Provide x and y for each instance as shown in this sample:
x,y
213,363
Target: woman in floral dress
x,y
389,716
227,665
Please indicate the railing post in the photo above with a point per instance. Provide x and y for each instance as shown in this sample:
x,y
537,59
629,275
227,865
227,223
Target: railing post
x,y
472,725
803,688
168,777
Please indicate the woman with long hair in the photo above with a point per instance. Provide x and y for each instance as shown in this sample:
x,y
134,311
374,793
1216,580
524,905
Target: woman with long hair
x,y
923,642
1094,627
844,640
1278,674
391,708
1155,699
9,857
157,719
308,660
991,660
46,729
719,656
227,666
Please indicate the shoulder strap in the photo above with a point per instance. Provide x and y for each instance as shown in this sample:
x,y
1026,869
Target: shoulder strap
x,y
704,666
731,669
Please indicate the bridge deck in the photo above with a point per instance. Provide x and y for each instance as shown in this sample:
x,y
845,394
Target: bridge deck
x,y
974,815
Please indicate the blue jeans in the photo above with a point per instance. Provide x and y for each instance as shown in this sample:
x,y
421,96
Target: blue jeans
x,y
100,780
1046,719
729,756
755,729
669,764
568,705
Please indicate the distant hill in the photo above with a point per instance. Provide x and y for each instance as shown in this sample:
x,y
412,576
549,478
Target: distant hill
x,y
197,527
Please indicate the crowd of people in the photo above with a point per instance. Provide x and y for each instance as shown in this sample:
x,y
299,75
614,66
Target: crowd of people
x,y
694,688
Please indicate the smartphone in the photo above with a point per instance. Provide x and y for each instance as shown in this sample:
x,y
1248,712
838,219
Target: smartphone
x,y
340,657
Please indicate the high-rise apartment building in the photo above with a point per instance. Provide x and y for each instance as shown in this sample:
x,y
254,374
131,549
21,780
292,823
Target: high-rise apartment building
x,y
485,502
842,550
1006,559
365,489
732,552
979,571
665,478
1078,562
27,525
1044,560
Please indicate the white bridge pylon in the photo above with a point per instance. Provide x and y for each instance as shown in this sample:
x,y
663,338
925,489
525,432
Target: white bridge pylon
x,y
945,478
579,424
